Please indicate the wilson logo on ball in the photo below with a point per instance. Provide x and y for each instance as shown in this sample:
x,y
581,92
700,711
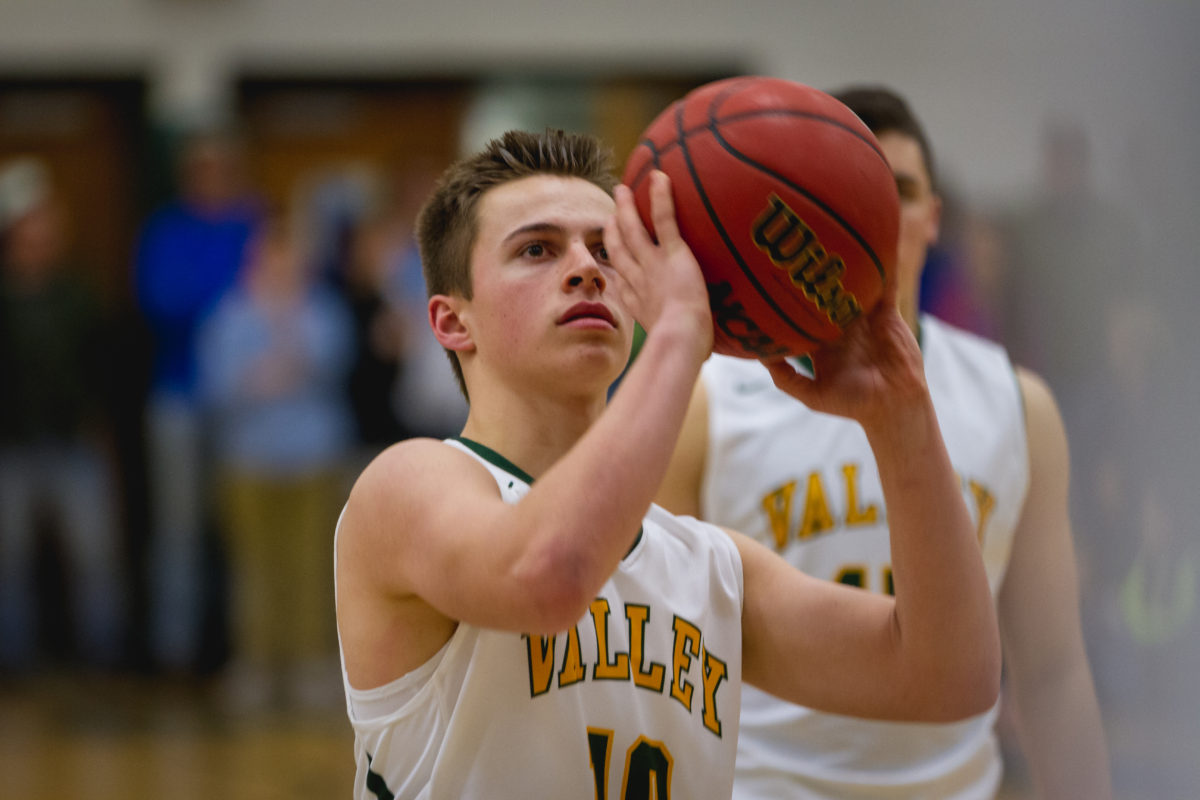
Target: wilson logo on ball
x,y
793,247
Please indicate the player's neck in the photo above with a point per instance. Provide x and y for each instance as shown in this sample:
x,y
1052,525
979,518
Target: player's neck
x,y
532,431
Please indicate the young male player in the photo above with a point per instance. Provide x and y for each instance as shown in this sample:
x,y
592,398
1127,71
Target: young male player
x,y
805,484
517,619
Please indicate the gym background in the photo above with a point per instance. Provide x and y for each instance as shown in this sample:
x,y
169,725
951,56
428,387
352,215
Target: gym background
x,y
1062,132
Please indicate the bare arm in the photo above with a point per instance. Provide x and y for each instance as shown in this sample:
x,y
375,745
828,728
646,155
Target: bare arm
x,y
680,490
1049,680
930,653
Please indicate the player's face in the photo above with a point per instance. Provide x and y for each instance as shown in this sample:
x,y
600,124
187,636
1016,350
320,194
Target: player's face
x,y
920,209
543,301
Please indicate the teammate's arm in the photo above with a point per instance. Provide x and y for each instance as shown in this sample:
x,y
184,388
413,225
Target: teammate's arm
x,y
1049,680
933,651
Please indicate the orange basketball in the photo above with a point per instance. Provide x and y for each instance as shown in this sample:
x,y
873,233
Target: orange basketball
x,y
788,203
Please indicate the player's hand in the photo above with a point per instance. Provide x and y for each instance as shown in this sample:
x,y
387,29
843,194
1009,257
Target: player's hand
x,y
659,281
874,370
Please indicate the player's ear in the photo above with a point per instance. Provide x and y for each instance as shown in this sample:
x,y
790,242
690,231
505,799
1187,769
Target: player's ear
x,y
449,326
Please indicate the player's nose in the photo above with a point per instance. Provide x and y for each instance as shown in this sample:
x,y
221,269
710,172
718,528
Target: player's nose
x,y
583,270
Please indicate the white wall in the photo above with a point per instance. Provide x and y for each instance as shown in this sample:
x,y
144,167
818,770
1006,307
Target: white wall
x,y
983,74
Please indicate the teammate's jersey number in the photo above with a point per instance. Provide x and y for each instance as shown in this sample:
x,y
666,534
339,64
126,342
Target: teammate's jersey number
x,y
647,767
858,575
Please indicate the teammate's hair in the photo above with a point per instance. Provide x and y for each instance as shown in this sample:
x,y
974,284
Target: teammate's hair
x,y
884,111
448,221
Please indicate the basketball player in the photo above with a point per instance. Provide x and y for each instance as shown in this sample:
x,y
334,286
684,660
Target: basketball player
x,y
517,619
805,484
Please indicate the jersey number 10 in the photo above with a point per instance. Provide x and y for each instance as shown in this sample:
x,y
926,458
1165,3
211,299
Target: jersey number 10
x,y
647,767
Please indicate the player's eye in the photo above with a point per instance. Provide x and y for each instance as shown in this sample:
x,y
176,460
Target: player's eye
x,y
907,188
601,253
534,250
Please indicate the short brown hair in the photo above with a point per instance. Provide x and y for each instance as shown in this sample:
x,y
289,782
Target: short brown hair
x,y
884,111
447,223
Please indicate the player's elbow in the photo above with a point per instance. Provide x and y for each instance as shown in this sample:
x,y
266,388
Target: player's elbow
x,y
982,672
965,685
556,589
549,614
968,698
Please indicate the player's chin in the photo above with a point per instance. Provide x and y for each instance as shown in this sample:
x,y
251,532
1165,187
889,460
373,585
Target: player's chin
x,y
599,358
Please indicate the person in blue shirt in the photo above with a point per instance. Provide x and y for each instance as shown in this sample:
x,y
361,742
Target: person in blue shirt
x,y
189,253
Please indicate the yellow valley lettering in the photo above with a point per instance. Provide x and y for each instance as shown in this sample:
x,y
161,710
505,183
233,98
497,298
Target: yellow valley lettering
x,y
818,516
693,670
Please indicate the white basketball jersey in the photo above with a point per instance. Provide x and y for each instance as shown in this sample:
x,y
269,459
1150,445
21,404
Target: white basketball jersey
x,y
806,485
640,698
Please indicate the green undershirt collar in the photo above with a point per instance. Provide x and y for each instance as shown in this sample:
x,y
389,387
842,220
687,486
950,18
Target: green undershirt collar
x,y
491,456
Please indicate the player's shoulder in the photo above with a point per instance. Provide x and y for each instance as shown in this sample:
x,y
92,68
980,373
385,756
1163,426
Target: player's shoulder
x,y
953,350
940,338
409,456
1036,394
937,331
411,473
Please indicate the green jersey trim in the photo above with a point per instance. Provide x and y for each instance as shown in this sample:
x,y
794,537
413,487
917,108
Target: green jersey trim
x,y
490,455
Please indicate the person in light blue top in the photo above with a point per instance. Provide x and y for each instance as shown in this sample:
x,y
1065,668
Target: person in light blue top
x,y
273,363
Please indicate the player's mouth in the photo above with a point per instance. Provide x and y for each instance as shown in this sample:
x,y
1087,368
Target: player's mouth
x,y
587,315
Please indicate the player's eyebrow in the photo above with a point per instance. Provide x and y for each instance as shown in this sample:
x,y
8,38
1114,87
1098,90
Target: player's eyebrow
x,y
533,227
548,228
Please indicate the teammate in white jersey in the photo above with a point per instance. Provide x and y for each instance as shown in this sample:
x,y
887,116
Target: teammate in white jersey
x,y
517,620
805,484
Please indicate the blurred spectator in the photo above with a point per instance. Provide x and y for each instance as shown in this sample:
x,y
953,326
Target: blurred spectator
x,y
1141,572
56,469
1069,256
330,202
380,339
1070,259
960,282
423,396
273,360
189,254
350,236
